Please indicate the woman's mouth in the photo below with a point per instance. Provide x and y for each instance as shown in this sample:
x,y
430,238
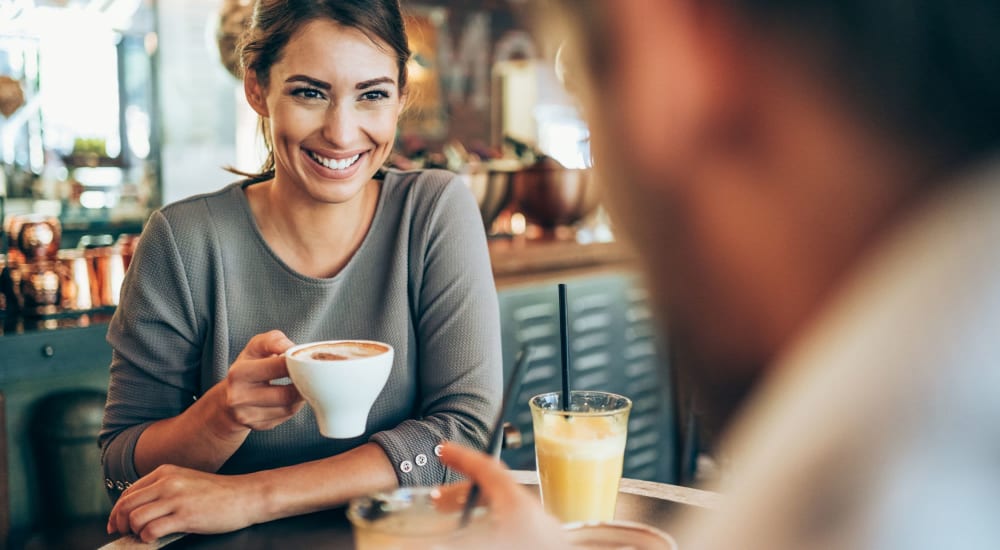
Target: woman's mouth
x,y
334,164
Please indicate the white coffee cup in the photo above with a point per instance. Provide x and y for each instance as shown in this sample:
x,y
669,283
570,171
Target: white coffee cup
x,y
340,380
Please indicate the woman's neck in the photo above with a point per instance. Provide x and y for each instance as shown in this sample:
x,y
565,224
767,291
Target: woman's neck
x,y
315,239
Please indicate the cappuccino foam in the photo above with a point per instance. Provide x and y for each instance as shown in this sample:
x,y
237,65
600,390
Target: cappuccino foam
x,y
341,351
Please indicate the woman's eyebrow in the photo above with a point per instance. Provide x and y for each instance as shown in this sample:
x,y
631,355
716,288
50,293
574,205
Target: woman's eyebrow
x,y
311,81
373,82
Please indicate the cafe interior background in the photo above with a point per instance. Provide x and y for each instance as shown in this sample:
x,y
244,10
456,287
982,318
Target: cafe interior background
x,y
112,108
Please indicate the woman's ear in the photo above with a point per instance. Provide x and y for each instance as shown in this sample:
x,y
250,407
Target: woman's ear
x,y
255,93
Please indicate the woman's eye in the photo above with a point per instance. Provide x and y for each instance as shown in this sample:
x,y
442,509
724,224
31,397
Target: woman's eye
x,y
375,95
307,93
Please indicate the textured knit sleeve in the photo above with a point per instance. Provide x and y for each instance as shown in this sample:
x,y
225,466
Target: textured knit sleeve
x,y
459,352
154,371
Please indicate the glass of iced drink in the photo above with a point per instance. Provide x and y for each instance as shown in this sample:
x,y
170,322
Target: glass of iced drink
x,y
579,452
415,518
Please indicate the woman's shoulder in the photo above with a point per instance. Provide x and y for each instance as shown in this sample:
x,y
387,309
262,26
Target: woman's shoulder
x,y
189,206
201,206
191,218
425,188
424,180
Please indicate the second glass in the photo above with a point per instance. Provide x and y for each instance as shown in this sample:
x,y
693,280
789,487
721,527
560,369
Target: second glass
x,y
415,518
579,452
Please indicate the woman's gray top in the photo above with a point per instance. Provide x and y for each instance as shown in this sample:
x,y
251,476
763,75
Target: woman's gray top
x,y
203,281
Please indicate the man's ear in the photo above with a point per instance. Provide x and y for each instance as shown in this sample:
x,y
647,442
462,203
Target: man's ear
x,y
255,93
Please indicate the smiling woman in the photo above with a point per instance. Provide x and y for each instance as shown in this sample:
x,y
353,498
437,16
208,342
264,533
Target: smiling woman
x,y
332,118
321,244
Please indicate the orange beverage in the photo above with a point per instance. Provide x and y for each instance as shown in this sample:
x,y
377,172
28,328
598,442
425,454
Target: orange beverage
x,y
579,453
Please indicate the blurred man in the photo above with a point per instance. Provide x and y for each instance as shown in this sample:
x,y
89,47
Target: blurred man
x,y
814,189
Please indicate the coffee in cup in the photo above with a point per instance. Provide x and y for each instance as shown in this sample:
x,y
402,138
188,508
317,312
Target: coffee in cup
x,y
340,379
341,351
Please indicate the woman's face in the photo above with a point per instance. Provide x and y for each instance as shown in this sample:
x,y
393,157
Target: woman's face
x,y
333,102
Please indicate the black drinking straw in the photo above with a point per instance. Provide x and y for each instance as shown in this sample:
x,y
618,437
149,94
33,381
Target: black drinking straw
x,y
496,436
564,343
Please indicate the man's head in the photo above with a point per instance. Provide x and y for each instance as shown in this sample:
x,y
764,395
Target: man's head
x,y
754,149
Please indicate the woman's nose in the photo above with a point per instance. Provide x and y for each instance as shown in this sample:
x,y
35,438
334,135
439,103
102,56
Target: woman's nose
x,y
340,126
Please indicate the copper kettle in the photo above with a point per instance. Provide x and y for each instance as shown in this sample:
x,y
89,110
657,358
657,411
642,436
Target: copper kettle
x,y
33,237
106,267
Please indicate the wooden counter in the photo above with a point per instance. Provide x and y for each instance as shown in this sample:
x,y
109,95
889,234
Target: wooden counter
x,y
517,262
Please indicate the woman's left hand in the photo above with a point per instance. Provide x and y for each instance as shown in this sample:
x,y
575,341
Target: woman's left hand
x,y
174,499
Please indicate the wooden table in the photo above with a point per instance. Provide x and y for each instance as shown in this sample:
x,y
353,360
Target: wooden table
x,y
642,501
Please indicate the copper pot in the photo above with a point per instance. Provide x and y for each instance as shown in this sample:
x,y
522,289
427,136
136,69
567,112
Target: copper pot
x,y
492,191
6,297
34,237
39,288
107,271
10,281
74,274
552,196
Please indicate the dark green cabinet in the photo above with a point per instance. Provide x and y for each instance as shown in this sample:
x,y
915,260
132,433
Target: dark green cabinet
x,y
613,347
36,367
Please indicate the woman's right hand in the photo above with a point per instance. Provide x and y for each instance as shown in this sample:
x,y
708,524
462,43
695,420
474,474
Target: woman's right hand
x,y
250,399
207,434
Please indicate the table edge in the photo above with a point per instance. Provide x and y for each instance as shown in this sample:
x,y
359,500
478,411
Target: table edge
x,y
652,489
639,487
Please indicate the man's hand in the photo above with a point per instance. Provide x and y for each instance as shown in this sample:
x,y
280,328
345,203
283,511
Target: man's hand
x,y
517,517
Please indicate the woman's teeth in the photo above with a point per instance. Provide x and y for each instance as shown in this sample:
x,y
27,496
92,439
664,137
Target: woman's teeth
x,y
335,164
